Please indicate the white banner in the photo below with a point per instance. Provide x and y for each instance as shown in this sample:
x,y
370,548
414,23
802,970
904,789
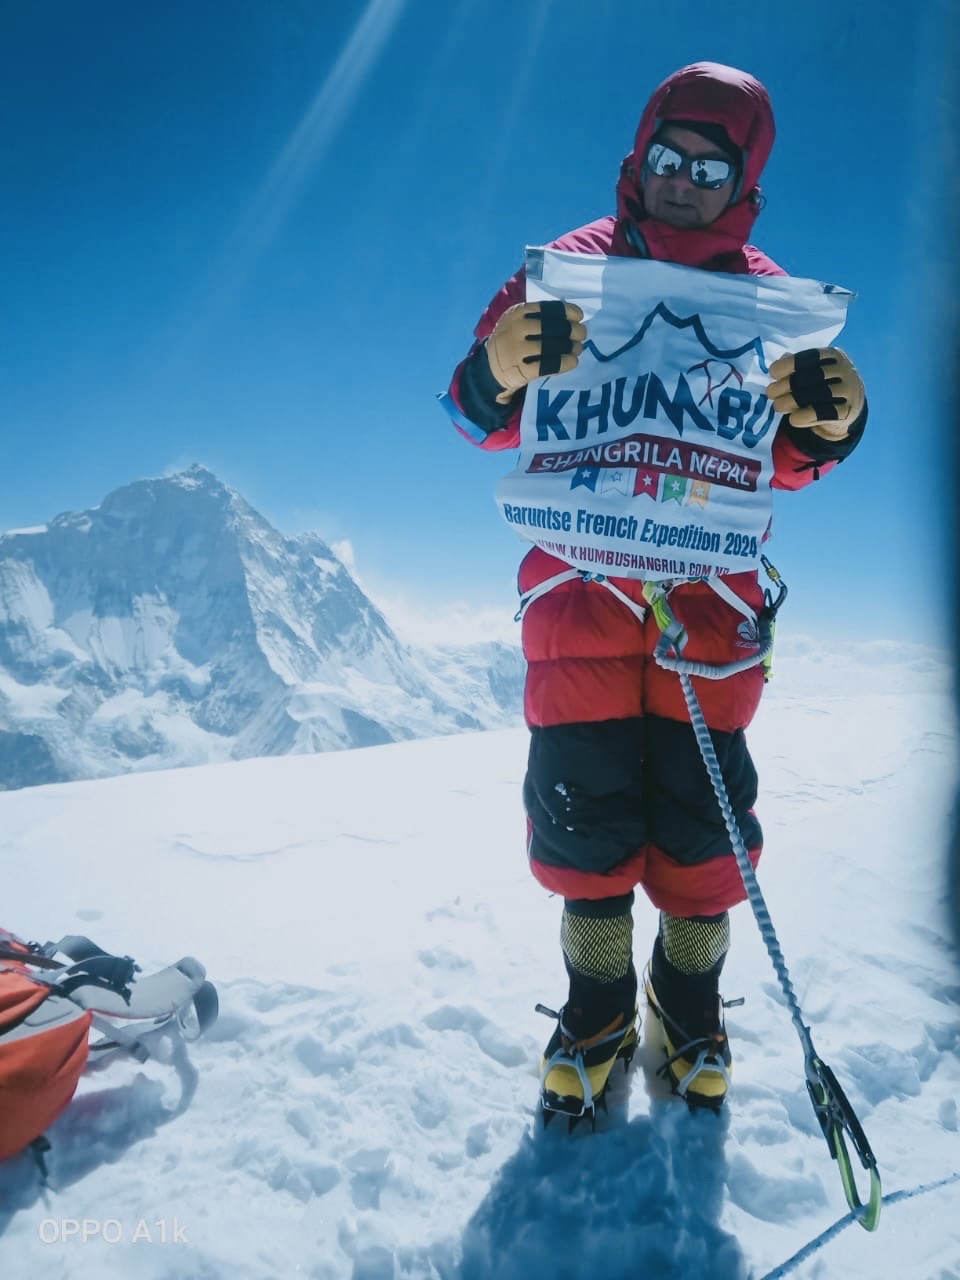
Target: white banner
x,y
652,459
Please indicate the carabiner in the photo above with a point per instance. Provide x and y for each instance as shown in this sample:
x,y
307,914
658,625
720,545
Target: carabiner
x,y
837,1117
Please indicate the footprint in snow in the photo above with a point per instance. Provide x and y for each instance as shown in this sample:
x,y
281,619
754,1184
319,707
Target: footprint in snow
x,y
489,1038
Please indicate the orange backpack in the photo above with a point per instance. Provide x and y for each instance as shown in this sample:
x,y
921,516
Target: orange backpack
x,y
48,1008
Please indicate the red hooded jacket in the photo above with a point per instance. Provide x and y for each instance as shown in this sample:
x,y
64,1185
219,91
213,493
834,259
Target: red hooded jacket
x,y
702,92
589,663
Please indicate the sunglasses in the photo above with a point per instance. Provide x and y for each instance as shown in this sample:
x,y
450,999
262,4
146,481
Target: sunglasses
x,y
709,172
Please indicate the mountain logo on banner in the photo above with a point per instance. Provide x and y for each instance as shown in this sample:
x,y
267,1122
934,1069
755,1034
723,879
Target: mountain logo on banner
x,y
711,395
663,312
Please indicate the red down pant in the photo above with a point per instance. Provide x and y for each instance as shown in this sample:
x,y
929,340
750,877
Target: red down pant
x,y
616,791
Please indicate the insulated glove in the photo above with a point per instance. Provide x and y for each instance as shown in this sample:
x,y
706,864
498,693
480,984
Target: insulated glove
x,y
533,339
818,389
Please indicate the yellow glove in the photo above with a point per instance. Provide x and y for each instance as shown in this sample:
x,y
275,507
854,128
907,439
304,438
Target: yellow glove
x,y
818,389
533,339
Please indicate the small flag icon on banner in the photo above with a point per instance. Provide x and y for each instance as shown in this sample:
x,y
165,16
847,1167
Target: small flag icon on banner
x,y
699,493
585,478
618,480
647,481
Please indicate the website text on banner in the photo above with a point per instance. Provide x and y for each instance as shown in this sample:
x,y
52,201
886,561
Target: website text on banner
x,y
653,458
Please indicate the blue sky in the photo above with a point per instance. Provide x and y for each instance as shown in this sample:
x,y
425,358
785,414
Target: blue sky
x,y
257,236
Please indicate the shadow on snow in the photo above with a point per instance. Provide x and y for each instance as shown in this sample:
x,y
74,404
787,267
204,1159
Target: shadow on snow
x,y
635,1198
97,1128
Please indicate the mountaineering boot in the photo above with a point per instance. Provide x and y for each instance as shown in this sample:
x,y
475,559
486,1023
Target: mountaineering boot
x,y
596,1026
690,1013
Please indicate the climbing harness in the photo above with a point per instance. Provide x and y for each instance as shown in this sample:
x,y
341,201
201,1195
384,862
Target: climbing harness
x,y
721,588
834,1112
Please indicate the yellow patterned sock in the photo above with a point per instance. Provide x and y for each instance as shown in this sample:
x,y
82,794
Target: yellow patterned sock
x,y
697,944
599,947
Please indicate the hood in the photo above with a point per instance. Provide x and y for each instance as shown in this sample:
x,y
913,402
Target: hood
x,y
704,91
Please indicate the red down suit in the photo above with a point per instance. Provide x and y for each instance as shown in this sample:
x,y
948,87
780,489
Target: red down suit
x,y
616,793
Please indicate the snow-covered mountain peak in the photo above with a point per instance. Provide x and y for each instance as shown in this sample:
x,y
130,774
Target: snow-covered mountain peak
x,y
197,476
172,624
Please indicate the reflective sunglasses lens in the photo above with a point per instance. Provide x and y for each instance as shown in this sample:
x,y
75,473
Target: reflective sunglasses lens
x,y
667,162
710,173
664,161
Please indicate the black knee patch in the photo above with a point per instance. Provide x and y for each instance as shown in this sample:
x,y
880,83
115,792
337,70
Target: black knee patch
x,y
600,907
683,814
584,793
596,792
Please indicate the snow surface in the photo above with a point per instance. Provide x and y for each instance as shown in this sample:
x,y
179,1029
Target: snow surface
x,y
365,1106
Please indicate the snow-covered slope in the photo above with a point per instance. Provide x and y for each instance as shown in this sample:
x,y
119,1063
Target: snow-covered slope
x,y
364,1110
173,625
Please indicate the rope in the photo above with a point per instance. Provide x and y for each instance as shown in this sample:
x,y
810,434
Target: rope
x,y
830,1104
754,894
842,1223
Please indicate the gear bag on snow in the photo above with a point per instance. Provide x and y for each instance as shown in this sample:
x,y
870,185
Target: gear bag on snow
x,y
53,996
